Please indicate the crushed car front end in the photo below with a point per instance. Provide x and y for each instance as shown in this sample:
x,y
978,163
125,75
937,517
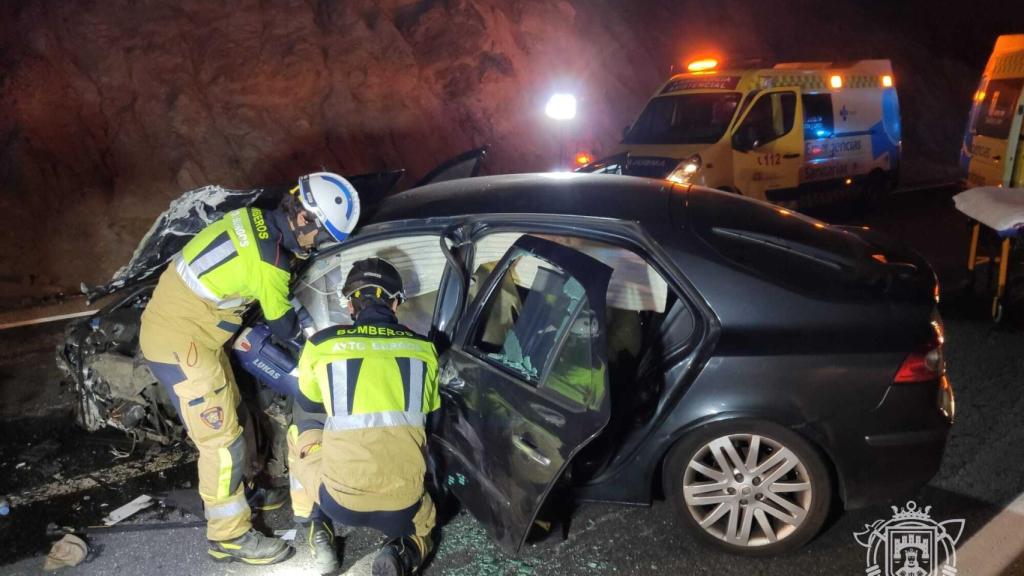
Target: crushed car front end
x,y
100,357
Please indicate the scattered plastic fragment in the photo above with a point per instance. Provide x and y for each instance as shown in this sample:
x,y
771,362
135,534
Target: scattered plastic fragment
x,y
286,535
68,551
140,503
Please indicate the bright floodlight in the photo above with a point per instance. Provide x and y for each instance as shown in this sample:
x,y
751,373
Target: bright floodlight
x,y
561,107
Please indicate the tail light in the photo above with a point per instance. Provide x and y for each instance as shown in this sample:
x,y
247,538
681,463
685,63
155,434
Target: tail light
x,y
921,366
926,363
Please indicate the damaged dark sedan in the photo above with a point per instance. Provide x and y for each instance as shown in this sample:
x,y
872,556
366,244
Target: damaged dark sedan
x,y
617,338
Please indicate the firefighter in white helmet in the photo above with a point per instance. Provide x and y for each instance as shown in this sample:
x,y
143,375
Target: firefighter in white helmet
x,y
197,306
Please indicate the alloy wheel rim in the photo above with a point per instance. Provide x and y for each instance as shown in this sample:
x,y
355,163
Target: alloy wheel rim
x,y
747,490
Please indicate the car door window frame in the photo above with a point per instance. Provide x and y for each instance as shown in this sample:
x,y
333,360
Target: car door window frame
x,y
601,231
766,96
479,306
454,285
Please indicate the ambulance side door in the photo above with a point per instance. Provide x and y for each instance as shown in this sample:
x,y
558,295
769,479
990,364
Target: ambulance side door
x,y
995,133
768,143
524,385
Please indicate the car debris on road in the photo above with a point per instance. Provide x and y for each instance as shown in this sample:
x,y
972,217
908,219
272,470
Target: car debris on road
x,y
66,552
129,509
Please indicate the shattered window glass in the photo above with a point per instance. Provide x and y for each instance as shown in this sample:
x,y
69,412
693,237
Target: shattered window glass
x,y
542,303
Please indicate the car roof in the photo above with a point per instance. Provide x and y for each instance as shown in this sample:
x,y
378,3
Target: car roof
x,y
601,195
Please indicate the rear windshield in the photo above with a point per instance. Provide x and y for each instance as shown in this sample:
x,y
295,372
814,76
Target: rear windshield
x,y
684,119
782,246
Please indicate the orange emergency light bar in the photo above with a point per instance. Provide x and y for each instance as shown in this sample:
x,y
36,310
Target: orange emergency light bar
x,y
582,159
702,64
836,81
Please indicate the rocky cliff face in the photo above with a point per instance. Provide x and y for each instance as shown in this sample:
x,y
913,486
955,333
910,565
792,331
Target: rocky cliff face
x,y
113,108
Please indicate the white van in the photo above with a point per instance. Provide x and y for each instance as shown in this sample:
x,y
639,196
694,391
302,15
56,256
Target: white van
x,y
796,134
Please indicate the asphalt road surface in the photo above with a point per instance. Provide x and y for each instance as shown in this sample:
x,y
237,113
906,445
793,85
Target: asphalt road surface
x,y
980,480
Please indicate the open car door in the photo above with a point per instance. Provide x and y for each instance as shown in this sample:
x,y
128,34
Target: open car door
x,y
524,385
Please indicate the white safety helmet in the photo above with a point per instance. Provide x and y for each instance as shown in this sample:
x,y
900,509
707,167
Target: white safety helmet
x,y
333,200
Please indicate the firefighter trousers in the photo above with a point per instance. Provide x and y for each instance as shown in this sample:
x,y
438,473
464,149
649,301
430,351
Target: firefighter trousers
x,y
311,500
307,426
182,340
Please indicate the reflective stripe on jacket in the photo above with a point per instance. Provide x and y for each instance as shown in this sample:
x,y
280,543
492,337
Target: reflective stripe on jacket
x,y
238,259
377,383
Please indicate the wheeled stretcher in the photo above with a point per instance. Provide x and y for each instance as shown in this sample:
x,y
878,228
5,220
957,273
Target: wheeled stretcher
x,y
1002,211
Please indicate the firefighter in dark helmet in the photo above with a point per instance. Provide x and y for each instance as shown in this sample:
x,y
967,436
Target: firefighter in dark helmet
x,y
357,447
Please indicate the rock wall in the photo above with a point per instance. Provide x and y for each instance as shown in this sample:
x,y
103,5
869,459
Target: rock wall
x,y
113,107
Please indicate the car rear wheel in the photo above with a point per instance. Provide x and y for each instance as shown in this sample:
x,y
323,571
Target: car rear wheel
x,y
748,487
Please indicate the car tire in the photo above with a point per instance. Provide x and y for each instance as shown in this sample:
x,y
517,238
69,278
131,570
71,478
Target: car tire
x,y
698,489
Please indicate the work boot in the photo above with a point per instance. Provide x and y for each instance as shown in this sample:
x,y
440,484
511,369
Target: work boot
x,y
400,557
265,499
319,537
252,548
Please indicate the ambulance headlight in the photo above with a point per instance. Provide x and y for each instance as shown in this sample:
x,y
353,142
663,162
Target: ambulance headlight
x,y
686,171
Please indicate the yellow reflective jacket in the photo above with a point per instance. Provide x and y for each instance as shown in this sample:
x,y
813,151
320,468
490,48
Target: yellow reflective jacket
x,y
377,382
238,259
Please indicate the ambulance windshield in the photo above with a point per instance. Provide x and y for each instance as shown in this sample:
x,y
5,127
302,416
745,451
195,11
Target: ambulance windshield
x,y
684,119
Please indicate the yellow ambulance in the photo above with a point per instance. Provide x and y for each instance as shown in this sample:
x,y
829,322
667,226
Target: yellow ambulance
x,y
796,134
991,155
